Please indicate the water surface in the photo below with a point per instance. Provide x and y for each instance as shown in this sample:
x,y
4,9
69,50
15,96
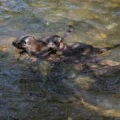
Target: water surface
x,y
46,91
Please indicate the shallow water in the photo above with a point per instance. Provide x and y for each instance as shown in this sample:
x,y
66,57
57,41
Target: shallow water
x,y
44,90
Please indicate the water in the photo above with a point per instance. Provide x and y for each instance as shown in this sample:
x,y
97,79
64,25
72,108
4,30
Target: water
x,y
52,91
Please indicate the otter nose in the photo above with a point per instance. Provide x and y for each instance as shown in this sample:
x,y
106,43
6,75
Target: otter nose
x,y
51,44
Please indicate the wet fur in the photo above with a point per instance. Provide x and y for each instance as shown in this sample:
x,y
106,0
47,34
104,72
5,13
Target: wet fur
x,y
29,44
54,43
85,49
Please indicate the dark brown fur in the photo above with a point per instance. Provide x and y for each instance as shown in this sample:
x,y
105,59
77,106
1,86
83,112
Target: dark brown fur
x,y
51,43
30,45
81,48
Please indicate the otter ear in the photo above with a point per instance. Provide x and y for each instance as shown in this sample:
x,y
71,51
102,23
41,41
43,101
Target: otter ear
x,y
59,39
32,36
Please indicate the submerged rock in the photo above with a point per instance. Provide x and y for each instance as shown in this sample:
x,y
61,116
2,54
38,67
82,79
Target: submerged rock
x,y
109,63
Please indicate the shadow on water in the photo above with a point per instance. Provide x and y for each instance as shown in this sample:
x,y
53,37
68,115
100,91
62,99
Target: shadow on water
x,y
58,90
77,87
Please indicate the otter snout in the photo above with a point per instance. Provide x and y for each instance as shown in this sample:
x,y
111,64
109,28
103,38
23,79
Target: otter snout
x,y
17,44
52,46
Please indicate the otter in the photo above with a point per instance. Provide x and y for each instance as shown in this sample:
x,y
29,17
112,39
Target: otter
x,y
29,44
46,45
82,48
55,42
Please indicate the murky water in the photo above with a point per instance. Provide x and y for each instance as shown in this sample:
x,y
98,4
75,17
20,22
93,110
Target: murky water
x,y
46,91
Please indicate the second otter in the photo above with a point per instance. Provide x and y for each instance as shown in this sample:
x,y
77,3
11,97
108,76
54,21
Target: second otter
x,y
46,45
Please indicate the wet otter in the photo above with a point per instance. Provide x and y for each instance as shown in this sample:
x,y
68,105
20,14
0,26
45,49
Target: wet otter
x,y
46,45
30,45
55,42
77,47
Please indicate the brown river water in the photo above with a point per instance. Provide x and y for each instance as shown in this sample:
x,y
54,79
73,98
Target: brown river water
x,y
45,90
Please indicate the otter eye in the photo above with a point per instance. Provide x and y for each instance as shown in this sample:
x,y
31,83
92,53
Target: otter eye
x,y
19,43
24,42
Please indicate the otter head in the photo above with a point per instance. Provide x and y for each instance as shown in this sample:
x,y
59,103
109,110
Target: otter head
x,y
23,42
53,42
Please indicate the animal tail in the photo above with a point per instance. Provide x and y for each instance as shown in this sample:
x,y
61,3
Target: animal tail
x,y
101,50
114,46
